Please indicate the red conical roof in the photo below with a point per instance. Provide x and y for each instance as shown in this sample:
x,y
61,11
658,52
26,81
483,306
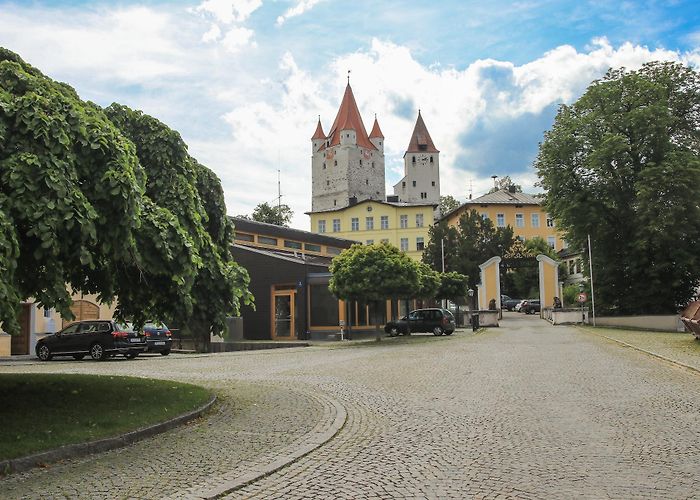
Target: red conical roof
x,y
420,140
319,131
348,118
376,131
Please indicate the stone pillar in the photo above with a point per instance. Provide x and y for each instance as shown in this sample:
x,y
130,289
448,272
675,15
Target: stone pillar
x,y
490,286
549,281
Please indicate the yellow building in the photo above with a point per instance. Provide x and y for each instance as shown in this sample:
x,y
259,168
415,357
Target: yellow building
x,y
523,212
404,225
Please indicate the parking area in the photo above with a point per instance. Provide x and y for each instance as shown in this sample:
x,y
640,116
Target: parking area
x,y
526,410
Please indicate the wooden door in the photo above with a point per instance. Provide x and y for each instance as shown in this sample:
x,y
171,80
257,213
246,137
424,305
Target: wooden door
x,y
20,343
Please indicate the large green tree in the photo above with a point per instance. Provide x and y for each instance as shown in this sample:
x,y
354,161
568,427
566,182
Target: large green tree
x,y
107,203
280,215
623,165
467,245
373,273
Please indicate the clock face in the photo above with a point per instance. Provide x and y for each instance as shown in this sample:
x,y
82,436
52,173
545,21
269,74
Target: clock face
x,y
422,160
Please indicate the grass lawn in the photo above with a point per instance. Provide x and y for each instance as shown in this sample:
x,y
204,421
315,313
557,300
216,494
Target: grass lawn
x,y
40,412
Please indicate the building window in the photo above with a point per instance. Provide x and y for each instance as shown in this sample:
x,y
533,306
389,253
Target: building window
x,y
244,237
431,159
328,183
413,160
360,161
322,226
324,165
336,225
384,222
323,306
372,164
292,244
501,220
485,216
367,182
385,240
333,250
551,241
519,220
370,242
312,248
578,266
550,221
369,223
404,244
403,221
264,240
414,183
433,183
420,243
572,267
423,196
419,220
47,312
355,224
335,163
403,184
335,203
535,219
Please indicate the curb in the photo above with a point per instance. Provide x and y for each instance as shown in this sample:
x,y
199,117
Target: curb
x,y
101,445
258,472
649,353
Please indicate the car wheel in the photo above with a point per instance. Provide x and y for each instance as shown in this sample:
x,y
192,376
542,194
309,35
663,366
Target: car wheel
x,y
44,353
165,353
97,352
131,355
437,331
393,331
78,357
449,333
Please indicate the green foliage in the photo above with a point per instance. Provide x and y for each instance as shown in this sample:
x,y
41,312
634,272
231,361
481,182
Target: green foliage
x,y
524,282
472,242
428,282
453,286
622,164
107,202
506,183
570,295
373,272
448,203
279,215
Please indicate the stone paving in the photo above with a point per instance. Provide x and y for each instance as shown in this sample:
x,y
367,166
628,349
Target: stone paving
x,y
525,411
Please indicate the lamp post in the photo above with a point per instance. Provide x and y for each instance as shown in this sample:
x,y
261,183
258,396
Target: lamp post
x,y
583,314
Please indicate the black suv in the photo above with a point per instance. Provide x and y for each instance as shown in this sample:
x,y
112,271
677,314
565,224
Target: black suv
x,y
98,338
531,306
437,321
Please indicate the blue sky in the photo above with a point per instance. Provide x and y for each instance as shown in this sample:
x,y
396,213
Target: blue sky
x,y
244,80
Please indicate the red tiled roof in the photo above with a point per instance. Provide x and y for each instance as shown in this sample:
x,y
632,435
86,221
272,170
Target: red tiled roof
x,y
348,118
376,131
319,131
420,140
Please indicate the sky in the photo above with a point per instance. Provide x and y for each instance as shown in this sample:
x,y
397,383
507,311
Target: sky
x,y
244,81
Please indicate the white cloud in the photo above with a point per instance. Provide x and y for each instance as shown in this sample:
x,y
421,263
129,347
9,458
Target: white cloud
x,y
301,7
229,11
213,34
237,38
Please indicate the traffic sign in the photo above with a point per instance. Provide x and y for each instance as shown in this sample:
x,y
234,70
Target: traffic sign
x,y
582,297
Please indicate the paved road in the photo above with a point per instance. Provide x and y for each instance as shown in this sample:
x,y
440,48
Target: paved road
x,y
526,411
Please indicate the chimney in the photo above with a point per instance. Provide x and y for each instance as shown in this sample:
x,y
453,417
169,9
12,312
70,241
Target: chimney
x,y
352,201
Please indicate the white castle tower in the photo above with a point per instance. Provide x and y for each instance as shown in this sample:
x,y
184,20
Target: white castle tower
x,y
421,181
346,164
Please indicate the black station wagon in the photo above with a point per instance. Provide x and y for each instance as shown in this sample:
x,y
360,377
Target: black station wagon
x,y
437,321
98,338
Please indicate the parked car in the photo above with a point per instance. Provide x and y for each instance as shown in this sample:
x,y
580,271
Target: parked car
x,y
158,337
98,338
531,306
435,320
508,303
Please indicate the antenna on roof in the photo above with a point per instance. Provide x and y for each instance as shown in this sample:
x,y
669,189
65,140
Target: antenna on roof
x,y
470,188
279,191
349,77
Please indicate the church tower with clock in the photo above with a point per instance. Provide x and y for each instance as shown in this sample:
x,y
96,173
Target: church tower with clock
x,y
421,181
347,164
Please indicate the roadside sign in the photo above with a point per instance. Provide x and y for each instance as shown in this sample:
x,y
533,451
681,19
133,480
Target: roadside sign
x,y
582,297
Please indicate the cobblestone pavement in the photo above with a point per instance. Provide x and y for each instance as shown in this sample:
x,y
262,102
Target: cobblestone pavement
x,y
525,411
678,346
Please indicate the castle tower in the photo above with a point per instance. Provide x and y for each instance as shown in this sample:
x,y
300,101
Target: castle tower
x,y
421,181
346,163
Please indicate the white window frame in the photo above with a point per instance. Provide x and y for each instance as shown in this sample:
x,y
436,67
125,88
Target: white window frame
x,y
404,244
336,225
369,223
322,226
355,224
384,221
419,220
500,220
519,220
403,220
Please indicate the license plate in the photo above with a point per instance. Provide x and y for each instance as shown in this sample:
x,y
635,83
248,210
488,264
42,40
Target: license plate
x,y
159,343
135,340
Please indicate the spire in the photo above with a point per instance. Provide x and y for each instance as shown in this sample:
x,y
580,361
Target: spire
x,y
376,131
420,139
348,118
319,131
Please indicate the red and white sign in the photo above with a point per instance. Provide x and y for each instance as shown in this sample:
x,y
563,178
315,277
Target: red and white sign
x,y
582,297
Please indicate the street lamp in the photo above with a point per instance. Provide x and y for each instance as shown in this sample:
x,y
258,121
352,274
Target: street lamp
x,y
581,287
474,316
